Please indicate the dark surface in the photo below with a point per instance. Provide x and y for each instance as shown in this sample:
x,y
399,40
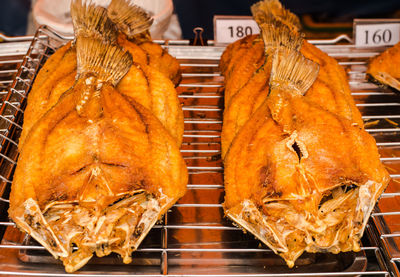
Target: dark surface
x,y
14,17
194,13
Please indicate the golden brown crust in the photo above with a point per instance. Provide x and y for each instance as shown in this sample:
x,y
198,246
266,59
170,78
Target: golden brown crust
x,y
312,173
49,85
90,158
161,60
100,161
330,91
159,97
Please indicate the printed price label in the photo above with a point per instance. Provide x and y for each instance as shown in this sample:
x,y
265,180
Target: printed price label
x,y
228,29
376,32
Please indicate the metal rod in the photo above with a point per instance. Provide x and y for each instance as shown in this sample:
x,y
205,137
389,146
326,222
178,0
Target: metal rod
x,y
204,168
383,130
380,116
199,205
201,136
201,109
385,213
372,93
199,96
390,159
206,187
201,74
200,64
388,143
390,194
202,151
200,85
203,121
377,104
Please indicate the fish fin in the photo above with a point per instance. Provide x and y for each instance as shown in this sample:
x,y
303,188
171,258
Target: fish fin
x,y
108,62
278,34
263,9
292,71
129,19
92,21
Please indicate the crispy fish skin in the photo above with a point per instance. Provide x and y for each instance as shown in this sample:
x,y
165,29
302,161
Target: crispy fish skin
x,y
331,90
242,105
241,71
98,169
384,67
160,97
329,70
56,75
231,53
149,53
142,83
315,176
48,86
163,61
155,92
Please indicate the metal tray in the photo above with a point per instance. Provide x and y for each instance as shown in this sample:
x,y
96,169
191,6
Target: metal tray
x,y
194,238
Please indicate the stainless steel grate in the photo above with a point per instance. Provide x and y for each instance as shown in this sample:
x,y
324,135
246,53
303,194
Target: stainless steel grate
x,y
194,238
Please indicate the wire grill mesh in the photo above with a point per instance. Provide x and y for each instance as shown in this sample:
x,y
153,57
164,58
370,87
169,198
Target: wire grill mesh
x,y
194,238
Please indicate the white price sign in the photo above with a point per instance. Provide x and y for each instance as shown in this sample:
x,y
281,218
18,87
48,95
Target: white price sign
x,y
376,32
228,29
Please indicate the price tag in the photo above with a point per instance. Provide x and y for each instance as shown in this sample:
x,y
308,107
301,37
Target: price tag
x,y
228,29
376,32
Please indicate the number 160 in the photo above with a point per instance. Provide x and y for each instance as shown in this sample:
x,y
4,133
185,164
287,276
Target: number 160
x,y
378,36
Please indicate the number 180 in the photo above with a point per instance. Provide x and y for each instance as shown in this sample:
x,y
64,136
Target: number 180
x,y
240,31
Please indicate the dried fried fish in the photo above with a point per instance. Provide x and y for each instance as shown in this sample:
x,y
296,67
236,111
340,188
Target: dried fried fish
x,y
312,177
98,169
313,174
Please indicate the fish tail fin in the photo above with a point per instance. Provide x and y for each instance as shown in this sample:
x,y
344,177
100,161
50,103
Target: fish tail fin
x,y
108,62
90,20
292,71
280,35
129,19
264,9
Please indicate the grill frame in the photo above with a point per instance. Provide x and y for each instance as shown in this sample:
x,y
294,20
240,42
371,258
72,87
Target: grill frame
x,y
199,145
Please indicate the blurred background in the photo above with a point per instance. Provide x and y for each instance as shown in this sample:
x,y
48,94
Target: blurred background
x,y
177,18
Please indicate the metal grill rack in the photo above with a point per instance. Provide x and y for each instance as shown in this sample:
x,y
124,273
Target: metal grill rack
x,y
194,239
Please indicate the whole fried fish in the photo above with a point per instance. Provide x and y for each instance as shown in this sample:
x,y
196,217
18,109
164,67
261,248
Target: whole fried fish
x,y
98,169
312,173
312,177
